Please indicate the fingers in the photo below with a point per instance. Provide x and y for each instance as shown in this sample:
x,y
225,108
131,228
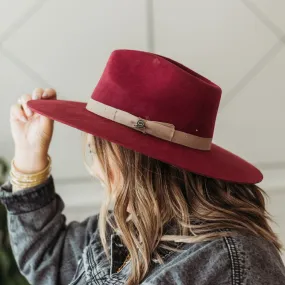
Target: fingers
x,y
40,93
21,111
49,93
17,113
24,100
37,93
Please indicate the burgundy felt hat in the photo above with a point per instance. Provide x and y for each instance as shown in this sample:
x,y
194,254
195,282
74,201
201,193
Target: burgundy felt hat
x,y
156,106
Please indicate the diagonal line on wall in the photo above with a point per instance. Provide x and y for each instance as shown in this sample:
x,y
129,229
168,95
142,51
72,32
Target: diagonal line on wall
x,y
256,69
264,19
21,20
10,31
150,26
252,73
25,68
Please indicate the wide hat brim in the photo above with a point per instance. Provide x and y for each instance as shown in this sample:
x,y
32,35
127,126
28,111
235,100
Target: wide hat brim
x,y
217,163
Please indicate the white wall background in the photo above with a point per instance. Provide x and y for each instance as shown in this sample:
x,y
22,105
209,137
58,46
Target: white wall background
x,y
239,44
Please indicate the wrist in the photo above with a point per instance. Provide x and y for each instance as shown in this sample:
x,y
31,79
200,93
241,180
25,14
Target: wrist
x,y
30,162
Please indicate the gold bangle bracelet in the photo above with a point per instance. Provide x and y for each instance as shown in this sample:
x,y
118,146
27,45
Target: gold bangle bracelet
x,y
22,185
25,186
21,180
17,181
27,178
17,172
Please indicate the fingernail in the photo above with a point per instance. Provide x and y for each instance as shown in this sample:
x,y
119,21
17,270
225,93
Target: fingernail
x,y
23,119
35,97
45,95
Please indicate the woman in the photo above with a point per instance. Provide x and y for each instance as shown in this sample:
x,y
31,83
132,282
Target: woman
x,y
185,210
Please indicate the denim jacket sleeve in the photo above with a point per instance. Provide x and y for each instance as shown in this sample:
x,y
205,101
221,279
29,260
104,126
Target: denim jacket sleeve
x,y
46,249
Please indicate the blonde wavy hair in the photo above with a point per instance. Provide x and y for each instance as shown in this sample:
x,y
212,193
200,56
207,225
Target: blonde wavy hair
x,y
153,194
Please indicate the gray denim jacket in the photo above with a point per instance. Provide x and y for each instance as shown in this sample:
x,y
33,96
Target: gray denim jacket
x,y
50,252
